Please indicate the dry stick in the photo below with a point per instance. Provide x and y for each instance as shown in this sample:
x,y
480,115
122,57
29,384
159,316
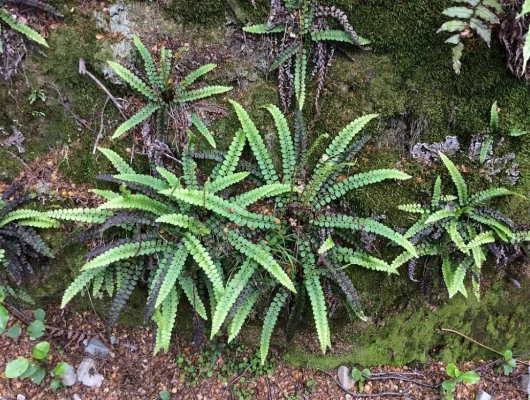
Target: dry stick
x,y
101,127
393,377
481,345
83,71
229,386
364,395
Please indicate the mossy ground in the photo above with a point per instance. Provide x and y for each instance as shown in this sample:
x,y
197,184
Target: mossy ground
x,y
406,76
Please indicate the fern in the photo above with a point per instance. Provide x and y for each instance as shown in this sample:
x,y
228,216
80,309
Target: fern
x,y
203,129
80,283
344,137
196,74
270,322
459,182
136,83
197,94
117,162
165,321
204,261
241,315
286,141
12,23
174,270
299,78
318,304
150,67
188,286
233,155
262,29
87,215
136,119
226,181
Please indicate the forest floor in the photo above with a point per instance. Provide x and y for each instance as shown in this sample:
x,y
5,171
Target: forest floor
x,y
215,372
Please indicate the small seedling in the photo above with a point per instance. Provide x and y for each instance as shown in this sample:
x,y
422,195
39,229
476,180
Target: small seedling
x,y
360,376
449,386
508,364
165,395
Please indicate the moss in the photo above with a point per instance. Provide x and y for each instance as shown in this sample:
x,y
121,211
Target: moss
x,y
196,12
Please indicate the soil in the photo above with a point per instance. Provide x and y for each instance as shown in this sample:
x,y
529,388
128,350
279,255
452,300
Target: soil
x,y
133,372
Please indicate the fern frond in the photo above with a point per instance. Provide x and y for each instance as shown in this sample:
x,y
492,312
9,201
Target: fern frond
x,y
456,237
189,167
481,239
197,94
184,221
457,178
263,29
88,215
175,264
300,68
20,215
454,277
124,252
262,257
439,215
233,288
201,127
225,208
149,64
286,141
412,208
364,260
372,226
204,261
138,202
165,320
106,194
357,181
270,322
232,156
170,177
485,149
80,283
119,163
327,245
422,251
494,117
486,195
503,231
436,192
241,315
196,74
256,143
136,119
344,137
285,56
134,81
222,183
39,222
190,289
254,195
320,313
22,28
146,180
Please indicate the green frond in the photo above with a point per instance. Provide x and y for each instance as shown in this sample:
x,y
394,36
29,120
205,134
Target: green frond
x,y
203,129
197,94
357,181
503,231
223,182
457,178
233,288
263,29
256,143
80,283
20,215
233,154
412,208
300,69
364,260
436,192
332,34
196,74
175,264
439,215
262,257
456,237
145,180
204,261
106,194
494,117
320,176
170,177
326,246
39,222
241,315
124,252
486,195
138,202
270,322
136,119
285,55
184,221
422,251
189,167
454,277
88,215
286,141
254,195
417,227
149,64
165,320
344,137
372,226
225,208
135,82
485,148
22,28
320,312
481,239
190,290
166,64
119,163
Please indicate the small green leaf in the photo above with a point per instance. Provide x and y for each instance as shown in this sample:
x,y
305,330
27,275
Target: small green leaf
x,y
452,26
452,370
4,317
458,12
60,369
55,384
36,329
356,374
38,375
17,367
470,377
14,332
508,354
39,314
41,350
165,395
366,372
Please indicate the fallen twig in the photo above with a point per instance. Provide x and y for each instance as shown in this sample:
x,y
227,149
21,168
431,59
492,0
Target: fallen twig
x,y
481,345
235,380
365,395
400,378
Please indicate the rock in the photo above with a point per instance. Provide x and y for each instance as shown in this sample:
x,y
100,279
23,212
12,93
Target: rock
x,y
96,347
21,397
76,397
70,377
84,376
525,383
345,378
482,395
